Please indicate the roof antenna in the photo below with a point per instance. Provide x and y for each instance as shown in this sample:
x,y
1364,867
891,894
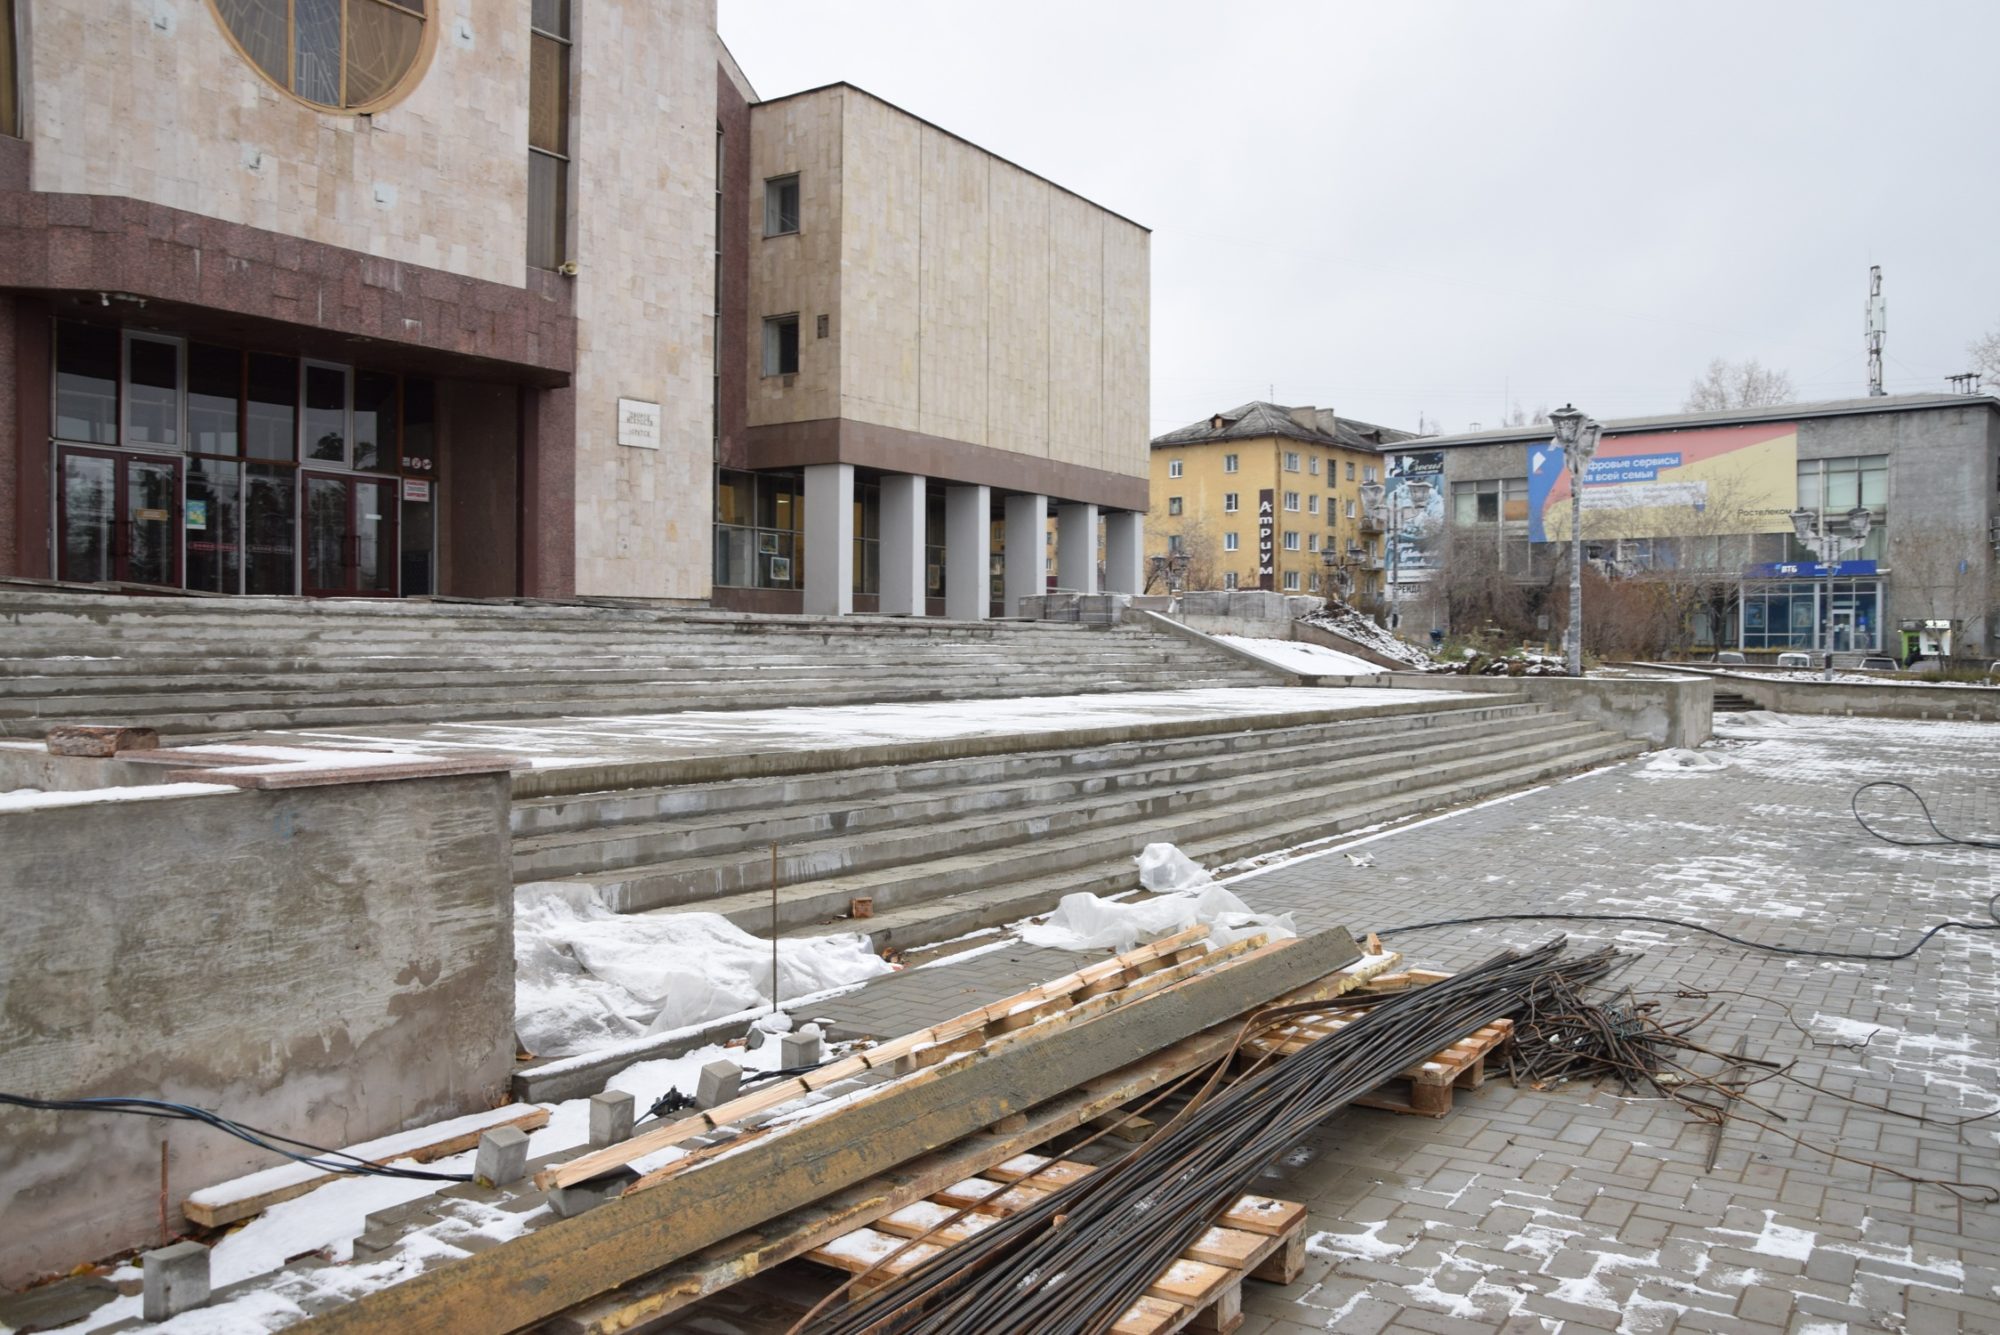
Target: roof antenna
x,y
1878,325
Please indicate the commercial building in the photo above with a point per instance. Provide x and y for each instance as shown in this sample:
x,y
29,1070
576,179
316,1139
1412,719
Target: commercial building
x,y
1709,499
1254,497
397,298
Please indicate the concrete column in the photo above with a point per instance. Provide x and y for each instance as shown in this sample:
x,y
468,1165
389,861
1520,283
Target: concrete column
x,y
830,539
1027,549
968,540
902,546
1076,547
1125,552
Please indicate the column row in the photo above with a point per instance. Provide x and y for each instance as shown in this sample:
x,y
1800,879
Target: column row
x,y
829,545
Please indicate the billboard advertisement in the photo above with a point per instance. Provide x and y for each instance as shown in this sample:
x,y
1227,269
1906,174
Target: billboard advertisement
x,y
1408,553
1731,479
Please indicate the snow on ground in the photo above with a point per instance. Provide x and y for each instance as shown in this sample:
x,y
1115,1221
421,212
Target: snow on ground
x,y
1854,678
1347,621
586,977
34,799
1310,660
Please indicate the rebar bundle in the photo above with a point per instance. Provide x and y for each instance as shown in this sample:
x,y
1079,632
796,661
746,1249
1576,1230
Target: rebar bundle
x,y
1076,1260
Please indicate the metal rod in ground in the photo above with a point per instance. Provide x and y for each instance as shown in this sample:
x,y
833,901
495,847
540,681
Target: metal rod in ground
x,y
1742,1049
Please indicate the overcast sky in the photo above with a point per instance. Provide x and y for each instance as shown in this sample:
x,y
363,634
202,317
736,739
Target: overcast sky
x,y
1451,208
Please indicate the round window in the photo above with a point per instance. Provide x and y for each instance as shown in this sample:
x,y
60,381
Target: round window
x,y
344,55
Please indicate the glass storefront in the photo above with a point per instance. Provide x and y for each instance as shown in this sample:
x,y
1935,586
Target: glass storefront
x,y
192,465
1806,614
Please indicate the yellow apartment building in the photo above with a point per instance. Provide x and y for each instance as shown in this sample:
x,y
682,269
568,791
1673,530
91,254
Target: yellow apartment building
x,y
1255,496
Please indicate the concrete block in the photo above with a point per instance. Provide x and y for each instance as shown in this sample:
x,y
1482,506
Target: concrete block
x,y
610,1118
176,1280
799,1049
569,1202
502,1157
719,1082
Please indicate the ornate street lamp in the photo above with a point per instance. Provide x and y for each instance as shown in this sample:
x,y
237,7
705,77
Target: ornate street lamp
x,y
1830,541
1577,435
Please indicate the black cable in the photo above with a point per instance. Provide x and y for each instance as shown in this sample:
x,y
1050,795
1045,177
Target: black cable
x,y
1873,957
321,1158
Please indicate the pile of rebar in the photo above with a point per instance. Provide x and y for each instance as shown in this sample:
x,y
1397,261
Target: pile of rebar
x,y
1076,1260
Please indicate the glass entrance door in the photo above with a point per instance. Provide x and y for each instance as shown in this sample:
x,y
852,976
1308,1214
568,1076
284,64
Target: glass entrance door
x,y
350,535
120,518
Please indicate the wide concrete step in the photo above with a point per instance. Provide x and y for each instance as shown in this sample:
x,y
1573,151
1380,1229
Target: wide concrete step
x,y
898,867
884,829
253,716
1060,754
990,888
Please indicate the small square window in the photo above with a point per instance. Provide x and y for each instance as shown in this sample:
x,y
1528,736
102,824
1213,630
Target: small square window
x,y
1368,472
1173,468
1228,463
1229,542
1291,581
1291,461
781,345
1173,505
781,206
1173,544
1291,539
1291,500
1230,502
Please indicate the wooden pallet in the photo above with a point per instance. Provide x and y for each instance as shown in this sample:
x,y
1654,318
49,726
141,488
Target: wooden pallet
x,y
1424,1090
1257,1238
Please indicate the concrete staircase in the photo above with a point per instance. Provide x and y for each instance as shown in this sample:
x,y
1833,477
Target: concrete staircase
x,y
946,846
202,665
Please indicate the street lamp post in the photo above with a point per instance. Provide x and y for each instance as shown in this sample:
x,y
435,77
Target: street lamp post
x,y
1340,566
1172,567
1577,435
1830,544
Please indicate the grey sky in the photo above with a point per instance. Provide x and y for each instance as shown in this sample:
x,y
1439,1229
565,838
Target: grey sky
x,y
1447,207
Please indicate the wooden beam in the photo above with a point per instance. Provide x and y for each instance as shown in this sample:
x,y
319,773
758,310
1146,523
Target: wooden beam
x,y
775,1241
533,1277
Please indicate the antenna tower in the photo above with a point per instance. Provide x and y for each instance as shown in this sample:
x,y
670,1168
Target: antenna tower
x,y
1878,325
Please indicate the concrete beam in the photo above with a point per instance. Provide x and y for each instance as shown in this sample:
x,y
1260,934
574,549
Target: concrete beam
x,y
903,516
829,539
1027,551
968,543
1076,548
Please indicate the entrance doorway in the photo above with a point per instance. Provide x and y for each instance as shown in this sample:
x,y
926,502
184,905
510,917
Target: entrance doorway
x,y
350,535
120,518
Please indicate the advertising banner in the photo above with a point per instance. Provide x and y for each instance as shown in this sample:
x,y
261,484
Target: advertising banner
x,y
1409,554
1267,539
1732,479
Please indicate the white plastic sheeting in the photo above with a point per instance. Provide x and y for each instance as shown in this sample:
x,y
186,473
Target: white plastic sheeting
x,y
585,976
1187,895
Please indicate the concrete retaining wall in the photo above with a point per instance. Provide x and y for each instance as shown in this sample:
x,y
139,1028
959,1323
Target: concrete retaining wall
x,y
1666,711
334,963
1971,704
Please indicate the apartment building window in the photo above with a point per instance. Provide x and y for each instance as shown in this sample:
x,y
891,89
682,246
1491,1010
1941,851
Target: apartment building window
x,y
1291,539
781,205
1312,505
781,345
548,133
1229,542
1833,487
1230,502
1368,472
1312,582
1291,461
1312,542
351,57
1173,505
1173,468
1228,463
1291,500
10,73
1312,464
1490,501
1350,508
1291,581
1174,544
1350,470
1229,579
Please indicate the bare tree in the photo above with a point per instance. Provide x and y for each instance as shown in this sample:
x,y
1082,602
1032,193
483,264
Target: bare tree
x,y
1938,578
1200,547
1744,384
1985,353
1518,416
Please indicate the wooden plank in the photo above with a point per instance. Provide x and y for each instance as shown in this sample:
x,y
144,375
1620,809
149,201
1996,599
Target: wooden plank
x,y
1262,1214
662,1292
882,1055
1151,1316
1191,1283
539,1274
1231,1248
227,1202
1046,1172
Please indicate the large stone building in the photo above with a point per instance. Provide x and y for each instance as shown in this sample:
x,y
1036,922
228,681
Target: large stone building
x,y
1708,499
396,297
1254,497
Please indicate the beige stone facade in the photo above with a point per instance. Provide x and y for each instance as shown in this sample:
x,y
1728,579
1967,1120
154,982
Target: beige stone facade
x,y
965,299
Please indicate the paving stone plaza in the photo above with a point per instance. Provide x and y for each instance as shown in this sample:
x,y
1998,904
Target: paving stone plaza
x,y
1578,1208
